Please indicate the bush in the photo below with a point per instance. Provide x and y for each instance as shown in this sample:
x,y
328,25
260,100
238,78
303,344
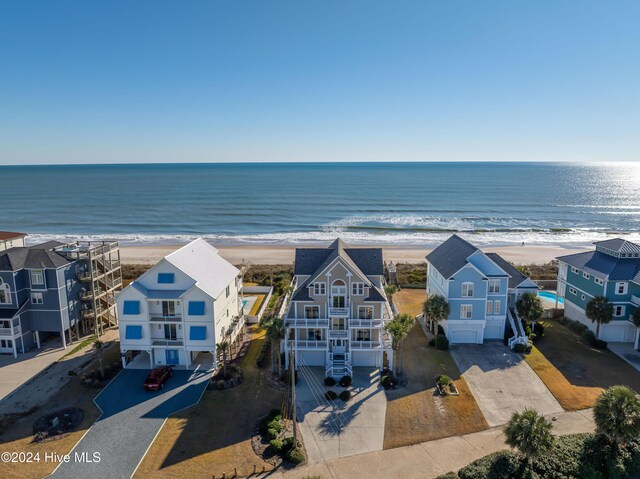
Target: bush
x,y
576,326
442,343
443,380
275,424
440,330
330,395
329,381
533,337
345,395
287,444
600,344
590,338
272,433
296,455
538,329
276,445
449,475
345,381
432,342
387,382
520,348
265,423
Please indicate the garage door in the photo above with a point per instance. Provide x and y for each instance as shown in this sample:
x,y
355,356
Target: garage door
x,y
364,358
492,331
613,333
463,336
312,358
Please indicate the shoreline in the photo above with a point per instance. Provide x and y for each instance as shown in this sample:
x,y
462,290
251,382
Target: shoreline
x,y
284,254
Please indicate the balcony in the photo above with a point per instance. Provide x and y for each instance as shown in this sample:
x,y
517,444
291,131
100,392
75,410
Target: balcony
x,y
158,318
635,300
365,344
307,323
10,332
167,342
338,311
365,323
309,344
338,333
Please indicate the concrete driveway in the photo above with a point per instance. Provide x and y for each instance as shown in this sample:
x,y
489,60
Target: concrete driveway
x,y
502,382
336,429
131,418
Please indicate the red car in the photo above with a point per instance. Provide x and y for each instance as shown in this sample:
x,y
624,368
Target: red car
x,y
157,377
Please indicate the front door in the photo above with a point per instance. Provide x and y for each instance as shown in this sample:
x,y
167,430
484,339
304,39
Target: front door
x,y
170,333
172,356
168,309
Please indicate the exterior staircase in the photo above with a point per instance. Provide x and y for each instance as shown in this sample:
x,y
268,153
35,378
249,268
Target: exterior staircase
x,y
339,365
519,336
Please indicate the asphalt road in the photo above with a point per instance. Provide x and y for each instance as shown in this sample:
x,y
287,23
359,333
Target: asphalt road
x,y
131,418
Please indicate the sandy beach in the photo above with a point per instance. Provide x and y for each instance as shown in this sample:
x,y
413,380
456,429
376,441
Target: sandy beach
x,y
256,254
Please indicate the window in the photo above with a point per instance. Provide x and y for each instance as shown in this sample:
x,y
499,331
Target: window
x,y
357,289
586,275
363,335
319,288
166,278
5,293
312,312
466,311
37,277
573,291
168,309
496,307
489,307
365,312
36,298
575,270
314,335
598,281
494,286
621,288
228,292
618,311
467,289
131,307
196,308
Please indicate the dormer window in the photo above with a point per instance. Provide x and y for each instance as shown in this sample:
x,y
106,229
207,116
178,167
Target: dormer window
x,y
319,288
37,278
357,289
166,278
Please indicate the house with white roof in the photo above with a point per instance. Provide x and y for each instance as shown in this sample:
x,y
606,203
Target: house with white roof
x,y
182,307
481,289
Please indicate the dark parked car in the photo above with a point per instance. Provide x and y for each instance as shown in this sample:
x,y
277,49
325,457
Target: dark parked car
x,y
157,377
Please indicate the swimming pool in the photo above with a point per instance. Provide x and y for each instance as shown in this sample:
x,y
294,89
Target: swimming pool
x,y
244,303
550,296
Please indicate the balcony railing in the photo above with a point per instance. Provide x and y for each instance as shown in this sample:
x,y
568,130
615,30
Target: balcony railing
x,y
365,323
308,344
365,344
338,333
11,332
308,323
164,319
338,311
635,300
166,342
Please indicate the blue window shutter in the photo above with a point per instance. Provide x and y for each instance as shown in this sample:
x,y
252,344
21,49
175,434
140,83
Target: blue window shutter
x,y
196,308
166,278
131,307
198,333
133,332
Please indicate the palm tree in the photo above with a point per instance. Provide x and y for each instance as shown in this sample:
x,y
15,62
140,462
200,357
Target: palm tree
x,y
99,347
223,347
276,331
600,311
390,290
529,432
617,415
436,309
530,307
399,328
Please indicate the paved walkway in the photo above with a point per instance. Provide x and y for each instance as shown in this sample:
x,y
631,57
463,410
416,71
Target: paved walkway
x,y
333,429
131,418
502,382
31,379
430,459
627,353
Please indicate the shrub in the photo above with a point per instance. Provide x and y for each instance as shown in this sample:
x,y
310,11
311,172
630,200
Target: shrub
x,y
588,336
533,337
295,455
443,380
329,381
287,444
577,326
503,465
432,342
345,381
345,395
272,433
330,395
600,344
387,382
275,424
276,445
442,343
449,475
520,348
275,414
440,329
538,329
220,384
563,321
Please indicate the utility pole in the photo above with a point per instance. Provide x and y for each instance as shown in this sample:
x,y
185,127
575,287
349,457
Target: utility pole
x,y
293,393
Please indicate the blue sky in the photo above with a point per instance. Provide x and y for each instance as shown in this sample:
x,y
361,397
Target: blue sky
x,y
228,81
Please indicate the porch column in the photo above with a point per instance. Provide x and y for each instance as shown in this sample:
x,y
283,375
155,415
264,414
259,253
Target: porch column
x,y
15,351
38,339
123,359
151,358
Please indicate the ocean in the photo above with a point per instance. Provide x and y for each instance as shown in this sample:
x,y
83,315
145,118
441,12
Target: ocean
x,y
364,203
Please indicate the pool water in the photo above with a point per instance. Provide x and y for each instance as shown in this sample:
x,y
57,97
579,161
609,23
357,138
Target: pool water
x,y
244,303
550,296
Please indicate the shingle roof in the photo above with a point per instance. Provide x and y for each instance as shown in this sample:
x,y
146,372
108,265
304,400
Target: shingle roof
x,y
7,235
38,256
619,245
451,256
605,266
375,295
516,277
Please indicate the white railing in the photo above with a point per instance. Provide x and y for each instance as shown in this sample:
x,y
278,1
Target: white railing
x,y
10,331
160,318
308,323
365,344
338,311
365,323
167,342
338,333
305,343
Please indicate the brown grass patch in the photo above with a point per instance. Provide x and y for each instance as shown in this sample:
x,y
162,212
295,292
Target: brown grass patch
x,y
574,372
410,301
417,413
214,437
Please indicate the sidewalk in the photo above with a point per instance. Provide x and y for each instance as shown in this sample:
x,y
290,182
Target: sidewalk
x,y
430,459
34,385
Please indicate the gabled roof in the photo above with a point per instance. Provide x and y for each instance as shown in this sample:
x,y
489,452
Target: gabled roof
x,y
619,245
203,263
38,256
7,235
451,256
605,266
516,277
311,262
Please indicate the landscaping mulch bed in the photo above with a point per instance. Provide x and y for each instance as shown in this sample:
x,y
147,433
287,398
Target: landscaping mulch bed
x,y
57,425
234,378
447,389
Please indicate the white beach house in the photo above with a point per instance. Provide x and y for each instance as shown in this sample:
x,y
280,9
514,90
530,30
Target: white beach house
x,y
182,307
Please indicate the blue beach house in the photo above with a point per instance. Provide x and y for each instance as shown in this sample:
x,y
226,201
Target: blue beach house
x,y
612,270
481,289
